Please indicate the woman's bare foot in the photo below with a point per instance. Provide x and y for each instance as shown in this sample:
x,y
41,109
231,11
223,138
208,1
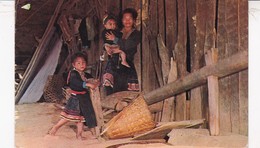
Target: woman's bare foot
x,y
125,64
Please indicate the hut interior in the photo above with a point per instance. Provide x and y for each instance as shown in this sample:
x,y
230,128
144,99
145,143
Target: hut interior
x,y
187,62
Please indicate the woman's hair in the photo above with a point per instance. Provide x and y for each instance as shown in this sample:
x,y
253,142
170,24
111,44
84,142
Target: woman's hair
x,y
78,54
132,11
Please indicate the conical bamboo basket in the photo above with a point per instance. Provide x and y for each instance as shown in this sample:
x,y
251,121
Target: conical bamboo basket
x,y
132,120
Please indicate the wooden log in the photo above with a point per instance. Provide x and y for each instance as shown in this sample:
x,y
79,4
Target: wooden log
x,y
221,69
30,71
213,92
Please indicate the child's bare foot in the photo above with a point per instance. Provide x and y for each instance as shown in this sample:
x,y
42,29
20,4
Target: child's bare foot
x,y
80,137
125,64
52,131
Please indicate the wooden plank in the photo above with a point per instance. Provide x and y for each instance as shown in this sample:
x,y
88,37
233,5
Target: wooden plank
x,y
225,122
221,69
197,60
213,94
164,57
171,24
181,55
164,128
169,105
243,76
161,19
243,102
232,45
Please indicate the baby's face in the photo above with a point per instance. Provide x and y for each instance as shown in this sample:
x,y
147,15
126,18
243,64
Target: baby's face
x,y
111,24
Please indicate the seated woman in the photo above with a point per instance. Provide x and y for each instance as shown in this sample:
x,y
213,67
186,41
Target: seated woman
x,y
121,77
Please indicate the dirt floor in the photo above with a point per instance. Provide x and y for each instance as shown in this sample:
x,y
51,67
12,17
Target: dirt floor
x,y
32,121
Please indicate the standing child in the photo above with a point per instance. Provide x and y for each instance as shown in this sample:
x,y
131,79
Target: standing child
x,y
79,107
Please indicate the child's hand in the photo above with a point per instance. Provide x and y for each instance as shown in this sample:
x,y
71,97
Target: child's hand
x,y
110,36
93,85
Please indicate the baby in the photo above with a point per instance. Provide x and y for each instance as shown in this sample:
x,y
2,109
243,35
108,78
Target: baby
x,y
112,47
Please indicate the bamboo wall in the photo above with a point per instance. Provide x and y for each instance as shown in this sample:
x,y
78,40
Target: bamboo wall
x,y
176,34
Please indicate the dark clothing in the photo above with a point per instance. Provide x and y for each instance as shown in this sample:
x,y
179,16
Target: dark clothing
x,y
117,34
124,75
80,102
83,32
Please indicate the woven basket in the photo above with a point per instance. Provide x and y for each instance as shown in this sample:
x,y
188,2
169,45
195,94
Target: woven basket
x,y
132,120
53,89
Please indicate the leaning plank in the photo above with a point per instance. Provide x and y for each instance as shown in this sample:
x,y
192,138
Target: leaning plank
x,y
34,92
168,104
222,68
164,128
36,59
95,98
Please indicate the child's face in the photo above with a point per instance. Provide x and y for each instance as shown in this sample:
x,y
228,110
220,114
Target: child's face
x,y
80,64
111,24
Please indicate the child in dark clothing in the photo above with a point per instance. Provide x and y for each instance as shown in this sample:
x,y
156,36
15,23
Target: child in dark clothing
x,y
79,107
111,47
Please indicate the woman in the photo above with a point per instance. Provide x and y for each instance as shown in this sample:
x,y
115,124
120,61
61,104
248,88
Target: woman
x,y
122,77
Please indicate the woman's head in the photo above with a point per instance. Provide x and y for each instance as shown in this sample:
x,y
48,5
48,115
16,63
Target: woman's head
x,y
129,16
79,61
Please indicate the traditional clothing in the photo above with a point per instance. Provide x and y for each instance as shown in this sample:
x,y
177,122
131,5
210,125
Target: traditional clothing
x,y
122,75
79,107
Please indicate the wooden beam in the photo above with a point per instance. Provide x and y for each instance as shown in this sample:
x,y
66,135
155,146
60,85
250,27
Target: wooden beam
x,y
221,69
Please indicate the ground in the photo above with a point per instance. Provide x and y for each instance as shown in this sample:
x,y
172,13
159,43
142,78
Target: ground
x,y
32,121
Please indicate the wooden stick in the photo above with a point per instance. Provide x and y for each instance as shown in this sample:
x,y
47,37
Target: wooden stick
x,y
222,68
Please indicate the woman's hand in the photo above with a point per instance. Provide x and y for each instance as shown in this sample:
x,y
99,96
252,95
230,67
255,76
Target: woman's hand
x,y
110,36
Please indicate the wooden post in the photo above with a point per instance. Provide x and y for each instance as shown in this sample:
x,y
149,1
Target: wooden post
x,y
213,92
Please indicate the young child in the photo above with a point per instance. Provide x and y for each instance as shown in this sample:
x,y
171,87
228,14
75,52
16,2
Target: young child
x,y
79,107
111,47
